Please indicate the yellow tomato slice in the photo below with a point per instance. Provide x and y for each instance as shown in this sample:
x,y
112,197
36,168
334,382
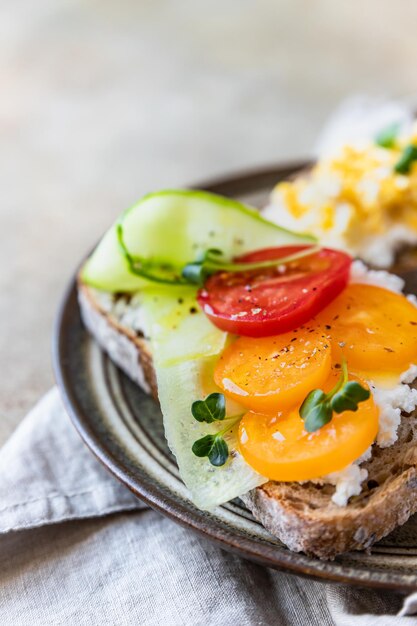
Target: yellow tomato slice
x,y
272,374
279,448
376,328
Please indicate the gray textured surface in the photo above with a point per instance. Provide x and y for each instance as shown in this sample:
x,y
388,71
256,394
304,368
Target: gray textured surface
x,y
102,101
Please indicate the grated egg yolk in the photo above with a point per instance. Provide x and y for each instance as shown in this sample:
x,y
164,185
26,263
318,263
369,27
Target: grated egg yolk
x,y
351,198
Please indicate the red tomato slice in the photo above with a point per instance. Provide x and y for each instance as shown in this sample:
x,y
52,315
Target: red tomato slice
x,y
260,303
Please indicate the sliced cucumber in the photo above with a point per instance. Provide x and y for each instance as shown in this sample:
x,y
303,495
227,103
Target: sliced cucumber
x,y
174,227
178,386
178,329
185,348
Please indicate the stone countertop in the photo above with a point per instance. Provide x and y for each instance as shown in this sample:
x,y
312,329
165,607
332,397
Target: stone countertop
x,y
103,101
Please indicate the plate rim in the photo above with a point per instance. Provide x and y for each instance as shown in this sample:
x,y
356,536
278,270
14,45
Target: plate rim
x,y
245,547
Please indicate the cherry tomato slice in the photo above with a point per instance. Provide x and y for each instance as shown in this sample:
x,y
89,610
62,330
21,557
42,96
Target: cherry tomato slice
x,y
270,374
261,303
278,447
376,327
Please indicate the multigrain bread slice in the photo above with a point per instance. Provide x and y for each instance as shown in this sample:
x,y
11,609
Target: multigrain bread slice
x,y
302,516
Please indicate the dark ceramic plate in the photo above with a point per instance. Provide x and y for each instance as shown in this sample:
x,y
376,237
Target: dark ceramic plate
x,y
123,428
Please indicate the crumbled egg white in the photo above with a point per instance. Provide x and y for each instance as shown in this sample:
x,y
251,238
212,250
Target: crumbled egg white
x,y
359,273
391,403
409,375
353,200
347,482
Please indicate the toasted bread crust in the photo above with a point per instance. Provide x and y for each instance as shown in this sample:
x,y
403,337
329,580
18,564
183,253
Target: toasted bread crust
x,y
331,532
302,516
129,350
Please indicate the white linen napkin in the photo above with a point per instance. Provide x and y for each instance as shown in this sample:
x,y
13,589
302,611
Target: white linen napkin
x,y
48,477
77,547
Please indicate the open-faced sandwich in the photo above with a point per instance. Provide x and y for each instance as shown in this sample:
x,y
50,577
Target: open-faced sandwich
x,y
282,368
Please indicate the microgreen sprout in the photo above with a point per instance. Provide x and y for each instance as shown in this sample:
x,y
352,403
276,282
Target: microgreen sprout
x,y
318,407
212,261
213,409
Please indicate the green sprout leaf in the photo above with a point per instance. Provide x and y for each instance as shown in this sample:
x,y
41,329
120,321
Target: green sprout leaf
x,y
386,138
348,398
214,447
318,407
202,447
406,160
315,410
314,398
219,452
212,409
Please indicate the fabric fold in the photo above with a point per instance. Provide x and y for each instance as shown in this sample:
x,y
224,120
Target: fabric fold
x,y
48,475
